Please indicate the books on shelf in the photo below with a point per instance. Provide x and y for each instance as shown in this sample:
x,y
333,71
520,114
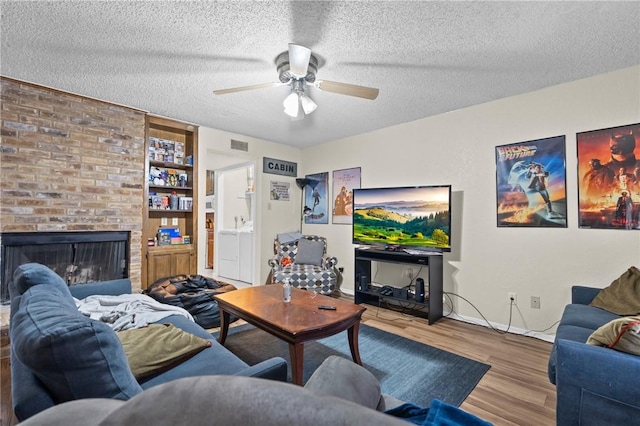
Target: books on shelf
x,y
166,235
171,236
185,203
159,202
167,151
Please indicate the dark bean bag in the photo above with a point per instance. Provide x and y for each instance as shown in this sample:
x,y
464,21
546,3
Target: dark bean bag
x,y
193,293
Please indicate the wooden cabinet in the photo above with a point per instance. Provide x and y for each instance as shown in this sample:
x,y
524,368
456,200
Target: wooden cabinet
x,y
167,261
171,182
210,245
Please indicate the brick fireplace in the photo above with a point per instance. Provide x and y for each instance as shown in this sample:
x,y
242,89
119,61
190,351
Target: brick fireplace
x,y
77,257
71,164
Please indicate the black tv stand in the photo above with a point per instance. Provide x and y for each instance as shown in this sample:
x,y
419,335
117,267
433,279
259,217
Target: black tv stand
x,y
367,293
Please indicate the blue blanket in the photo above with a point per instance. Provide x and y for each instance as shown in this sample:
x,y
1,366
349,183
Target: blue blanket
x,y
438,414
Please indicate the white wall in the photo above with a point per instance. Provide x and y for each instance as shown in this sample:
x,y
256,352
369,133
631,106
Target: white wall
x,y
457,148
272,217
232,194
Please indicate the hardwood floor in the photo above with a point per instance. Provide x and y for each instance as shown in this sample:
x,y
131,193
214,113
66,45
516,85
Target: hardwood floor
x,y
6,412
515,390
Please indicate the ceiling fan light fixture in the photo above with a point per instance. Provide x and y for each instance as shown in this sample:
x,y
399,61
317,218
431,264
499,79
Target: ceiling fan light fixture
x,y
297,68
291,105
308,106
299,57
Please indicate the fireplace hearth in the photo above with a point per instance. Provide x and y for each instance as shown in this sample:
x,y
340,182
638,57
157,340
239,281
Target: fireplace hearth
x,y
77,257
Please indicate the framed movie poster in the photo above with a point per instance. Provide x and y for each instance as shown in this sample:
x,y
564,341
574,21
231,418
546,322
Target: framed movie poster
x,y
316,201
531,184
344,182
609,178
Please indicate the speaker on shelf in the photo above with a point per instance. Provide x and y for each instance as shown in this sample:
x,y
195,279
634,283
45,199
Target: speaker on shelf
x,y
419,290
364,285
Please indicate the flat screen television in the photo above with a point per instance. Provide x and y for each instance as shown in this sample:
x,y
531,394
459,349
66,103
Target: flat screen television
x,y
412,217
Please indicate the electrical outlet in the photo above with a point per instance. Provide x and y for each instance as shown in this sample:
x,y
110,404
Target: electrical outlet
x,y
535,302
163,221
513,298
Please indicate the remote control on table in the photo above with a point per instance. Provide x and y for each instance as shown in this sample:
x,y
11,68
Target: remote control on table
x,y
327,308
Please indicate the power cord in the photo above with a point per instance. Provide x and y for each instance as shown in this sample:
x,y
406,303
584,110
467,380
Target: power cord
x,y
511,304
407,310
542,331
412,279
401,312
452,311
483,317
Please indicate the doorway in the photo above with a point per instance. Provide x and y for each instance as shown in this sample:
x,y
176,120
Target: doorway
x,y
230,210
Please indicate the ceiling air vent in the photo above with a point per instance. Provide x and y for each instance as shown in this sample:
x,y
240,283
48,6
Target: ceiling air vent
x,y
239,145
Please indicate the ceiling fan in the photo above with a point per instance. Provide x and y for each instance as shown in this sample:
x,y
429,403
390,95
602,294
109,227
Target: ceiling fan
x,y
297,68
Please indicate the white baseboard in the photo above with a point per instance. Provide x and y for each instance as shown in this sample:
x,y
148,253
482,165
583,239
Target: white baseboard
x,y
503,327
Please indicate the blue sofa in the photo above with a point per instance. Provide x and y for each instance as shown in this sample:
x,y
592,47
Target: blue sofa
x,y
58,354
595,385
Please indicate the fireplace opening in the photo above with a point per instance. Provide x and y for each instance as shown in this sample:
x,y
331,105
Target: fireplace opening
x,y
77,257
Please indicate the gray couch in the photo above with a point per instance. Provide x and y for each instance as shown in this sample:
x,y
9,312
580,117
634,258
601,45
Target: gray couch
x,y
595,385
59,355
339,392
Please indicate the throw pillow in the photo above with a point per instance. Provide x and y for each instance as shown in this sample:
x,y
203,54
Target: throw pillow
x,y
622,334
289,237
309,252
73,356
156,347
344,379
32,274
622,297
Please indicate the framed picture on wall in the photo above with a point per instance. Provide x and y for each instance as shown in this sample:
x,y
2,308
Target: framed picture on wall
x,y
531,184
210,182
316,201
609,178
279,191
344,182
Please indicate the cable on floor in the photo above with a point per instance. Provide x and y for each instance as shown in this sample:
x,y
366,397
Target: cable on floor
x,y
483,317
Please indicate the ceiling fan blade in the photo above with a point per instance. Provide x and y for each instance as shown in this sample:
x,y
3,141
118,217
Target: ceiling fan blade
x,y
243,88
348,89
299,57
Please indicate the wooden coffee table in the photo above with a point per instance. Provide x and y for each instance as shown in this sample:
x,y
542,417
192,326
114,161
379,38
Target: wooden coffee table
x,y
295,322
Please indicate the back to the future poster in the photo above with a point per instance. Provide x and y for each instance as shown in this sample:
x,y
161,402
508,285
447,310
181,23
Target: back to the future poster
x,y
531,184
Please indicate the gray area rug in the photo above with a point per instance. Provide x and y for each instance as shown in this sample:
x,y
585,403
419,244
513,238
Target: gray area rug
x,y
408,370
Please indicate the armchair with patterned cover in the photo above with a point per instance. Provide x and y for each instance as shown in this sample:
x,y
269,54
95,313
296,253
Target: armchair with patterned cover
x,y
305,263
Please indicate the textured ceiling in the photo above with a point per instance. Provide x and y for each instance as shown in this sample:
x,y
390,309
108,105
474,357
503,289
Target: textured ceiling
x,y
426,58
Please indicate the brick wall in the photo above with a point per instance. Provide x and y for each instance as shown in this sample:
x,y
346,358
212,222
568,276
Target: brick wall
x,y
70,163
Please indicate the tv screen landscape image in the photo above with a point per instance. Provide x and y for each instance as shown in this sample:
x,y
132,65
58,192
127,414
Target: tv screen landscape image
x,y
416,217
